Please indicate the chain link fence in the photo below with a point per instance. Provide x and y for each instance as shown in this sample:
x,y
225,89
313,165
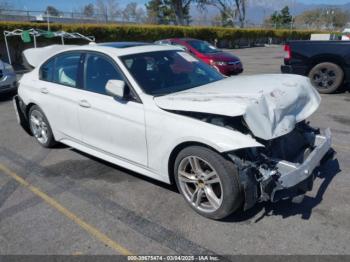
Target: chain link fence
x,y
66,17
119,17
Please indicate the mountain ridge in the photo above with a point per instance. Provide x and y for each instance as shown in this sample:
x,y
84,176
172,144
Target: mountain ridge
x,y
258,10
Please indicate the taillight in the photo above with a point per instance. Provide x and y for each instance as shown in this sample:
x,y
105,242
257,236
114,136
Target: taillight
x,y
288,52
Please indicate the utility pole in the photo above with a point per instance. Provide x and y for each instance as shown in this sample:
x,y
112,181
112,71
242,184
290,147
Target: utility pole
x,y
48,21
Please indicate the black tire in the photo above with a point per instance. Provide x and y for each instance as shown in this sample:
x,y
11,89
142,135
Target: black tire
x,y
227,172
35,111
326,77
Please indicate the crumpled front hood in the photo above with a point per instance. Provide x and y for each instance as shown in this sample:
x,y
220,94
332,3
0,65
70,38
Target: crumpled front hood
x,y
270,104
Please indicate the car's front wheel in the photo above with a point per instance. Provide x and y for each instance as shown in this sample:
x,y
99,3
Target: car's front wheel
x,y
40,127
208,182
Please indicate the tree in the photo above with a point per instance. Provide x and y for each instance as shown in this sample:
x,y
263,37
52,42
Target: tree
x,y
281,19
171,11
285,17
52,11
129,11
231,11
140,15
227,11
153,8
339,18
109,9
322,19
158,12
217,20
181,10
241,11
226,19
89,10
310,19
133,12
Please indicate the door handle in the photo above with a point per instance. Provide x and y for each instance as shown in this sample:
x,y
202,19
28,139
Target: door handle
x,y
84,103
44,90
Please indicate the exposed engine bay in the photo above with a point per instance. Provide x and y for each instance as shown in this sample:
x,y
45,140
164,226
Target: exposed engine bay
x,y
261,170
267,172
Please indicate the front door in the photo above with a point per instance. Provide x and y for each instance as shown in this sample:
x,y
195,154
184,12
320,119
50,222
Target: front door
x,y
115,126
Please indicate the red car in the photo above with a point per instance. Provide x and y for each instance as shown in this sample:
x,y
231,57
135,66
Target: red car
x,y
225,62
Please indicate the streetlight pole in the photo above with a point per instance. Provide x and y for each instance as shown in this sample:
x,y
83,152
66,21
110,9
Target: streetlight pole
x,y
48,21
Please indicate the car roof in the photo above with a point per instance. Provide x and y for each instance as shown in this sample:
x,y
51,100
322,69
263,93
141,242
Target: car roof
x,y
125,50
123,44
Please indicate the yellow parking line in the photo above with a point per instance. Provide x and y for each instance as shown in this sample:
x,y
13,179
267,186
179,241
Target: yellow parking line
x,y
56,205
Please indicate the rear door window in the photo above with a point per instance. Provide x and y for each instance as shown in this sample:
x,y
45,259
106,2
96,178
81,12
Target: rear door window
x,y
46,71
66,69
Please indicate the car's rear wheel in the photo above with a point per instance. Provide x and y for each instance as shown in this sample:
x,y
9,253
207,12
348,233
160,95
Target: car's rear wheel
x,y
208,182
40,127
326,77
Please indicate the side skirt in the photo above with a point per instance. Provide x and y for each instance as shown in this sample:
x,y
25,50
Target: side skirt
x,y
115,160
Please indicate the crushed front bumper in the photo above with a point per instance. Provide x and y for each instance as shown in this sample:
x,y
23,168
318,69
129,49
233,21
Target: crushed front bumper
x,y
274,179
294,178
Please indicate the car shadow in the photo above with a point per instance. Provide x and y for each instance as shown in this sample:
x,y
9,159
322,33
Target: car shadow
x,y
102,170
286,208
344,89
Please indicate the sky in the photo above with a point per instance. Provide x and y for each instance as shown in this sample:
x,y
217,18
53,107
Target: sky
x,y
333,2
69,5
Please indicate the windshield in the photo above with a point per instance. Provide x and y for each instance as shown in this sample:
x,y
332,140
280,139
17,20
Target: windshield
x,y
203,47
165,72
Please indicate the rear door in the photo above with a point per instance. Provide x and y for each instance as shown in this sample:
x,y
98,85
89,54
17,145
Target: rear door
x,y
114,126
59,86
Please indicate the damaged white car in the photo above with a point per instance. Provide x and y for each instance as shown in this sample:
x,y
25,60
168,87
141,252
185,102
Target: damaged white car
x,y
226,142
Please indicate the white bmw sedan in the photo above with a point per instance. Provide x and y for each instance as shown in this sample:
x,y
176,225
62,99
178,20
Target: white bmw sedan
x,y
225,142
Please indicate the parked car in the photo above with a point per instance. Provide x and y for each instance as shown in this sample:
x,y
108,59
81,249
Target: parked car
x,y
8,80
326,63
225,142
224,62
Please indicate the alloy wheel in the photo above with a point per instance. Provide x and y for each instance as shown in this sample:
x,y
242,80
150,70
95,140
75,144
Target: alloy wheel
x,y
38,126
200,184
324,78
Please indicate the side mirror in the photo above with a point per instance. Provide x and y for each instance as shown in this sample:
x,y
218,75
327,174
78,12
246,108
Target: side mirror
x,y
115,88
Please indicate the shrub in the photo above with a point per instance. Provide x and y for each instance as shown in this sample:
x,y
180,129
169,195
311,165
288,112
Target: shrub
x,y
129,32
